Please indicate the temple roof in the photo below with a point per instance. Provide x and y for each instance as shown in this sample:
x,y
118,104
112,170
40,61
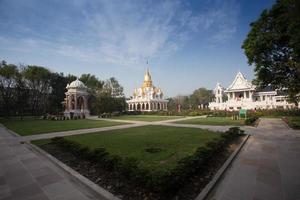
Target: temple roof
x,y
76,84
240,83
147,79
147,89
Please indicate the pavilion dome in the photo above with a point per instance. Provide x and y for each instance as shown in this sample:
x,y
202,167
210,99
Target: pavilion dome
x,y
76,84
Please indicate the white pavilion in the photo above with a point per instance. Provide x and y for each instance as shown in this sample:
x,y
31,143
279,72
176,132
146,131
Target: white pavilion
x,y
242,94
76,100
148,97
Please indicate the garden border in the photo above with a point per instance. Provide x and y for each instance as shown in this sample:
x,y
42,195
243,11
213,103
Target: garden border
x,y
208,188
85,182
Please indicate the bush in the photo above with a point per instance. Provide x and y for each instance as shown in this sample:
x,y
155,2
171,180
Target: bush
x,y
251,120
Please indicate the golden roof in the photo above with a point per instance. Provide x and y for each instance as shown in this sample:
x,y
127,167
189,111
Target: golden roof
x,y
147,80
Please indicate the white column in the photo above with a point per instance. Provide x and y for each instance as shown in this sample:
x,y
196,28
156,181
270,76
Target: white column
x,y
85,103
75,107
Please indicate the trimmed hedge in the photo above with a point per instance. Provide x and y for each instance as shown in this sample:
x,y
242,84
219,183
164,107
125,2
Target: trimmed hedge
x,y
164,182
251,120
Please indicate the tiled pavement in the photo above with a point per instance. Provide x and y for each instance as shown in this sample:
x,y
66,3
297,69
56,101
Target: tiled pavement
x,y
268,167
26,175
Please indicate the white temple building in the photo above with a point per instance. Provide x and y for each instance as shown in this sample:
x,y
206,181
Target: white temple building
x,y
148,97
242,94
76,100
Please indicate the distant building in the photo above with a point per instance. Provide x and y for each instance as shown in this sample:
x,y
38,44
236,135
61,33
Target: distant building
x,y
76,100
148,97
242,94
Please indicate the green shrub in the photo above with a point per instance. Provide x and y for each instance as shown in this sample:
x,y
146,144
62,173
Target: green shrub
x,y
251,120
164,182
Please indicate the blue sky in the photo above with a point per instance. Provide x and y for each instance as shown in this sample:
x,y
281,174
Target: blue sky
x,y
189,44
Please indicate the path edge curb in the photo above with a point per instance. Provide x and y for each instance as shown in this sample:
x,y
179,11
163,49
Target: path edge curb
x,y
98,190
208,188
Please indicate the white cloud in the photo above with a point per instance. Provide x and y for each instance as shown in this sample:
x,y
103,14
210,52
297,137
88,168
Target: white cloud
x,y
130,32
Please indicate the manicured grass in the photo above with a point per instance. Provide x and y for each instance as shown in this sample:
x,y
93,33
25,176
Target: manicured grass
x,y
221,121
170,144
148,118
38,126
294,122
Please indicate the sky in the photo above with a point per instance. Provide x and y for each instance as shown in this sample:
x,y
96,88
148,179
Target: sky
x,y
188,44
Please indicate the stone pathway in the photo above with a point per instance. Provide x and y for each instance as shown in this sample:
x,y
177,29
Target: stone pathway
x,y
26,175
268,167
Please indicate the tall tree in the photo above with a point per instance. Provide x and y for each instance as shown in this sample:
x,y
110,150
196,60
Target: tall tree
x,y
113,87
111,97
58,84
92,82
95,86
38,83
201,96
22,94
8,84
273,46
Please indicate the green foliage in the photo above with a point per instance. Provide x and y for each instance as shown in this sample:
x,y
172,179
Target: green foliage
x,y
9,82
35,90
92,82
201,96
273,46
293,122
277,113
251,120
166,182
57,82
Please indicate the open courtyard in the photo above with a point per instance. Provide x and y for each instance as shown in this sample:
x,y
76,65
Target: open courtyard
x,y
154,147
150,100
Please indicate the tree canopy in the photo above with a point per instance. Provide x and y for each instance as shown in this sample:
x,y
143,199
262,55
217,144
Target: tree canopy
x,y
35,90
273,47
201,96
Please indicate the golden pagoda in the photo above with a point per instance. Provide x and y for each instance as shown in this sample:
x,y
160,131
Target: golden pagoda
x,y
148,97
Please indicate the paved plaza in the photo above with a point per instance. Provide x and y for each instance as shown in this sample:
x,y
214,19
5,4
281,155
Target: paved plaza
x,y
267,167
27,175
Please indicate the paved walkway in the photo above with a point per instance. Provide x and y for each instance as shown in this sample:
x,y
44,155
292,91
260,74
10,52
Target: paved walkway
x,y
26,175
268,167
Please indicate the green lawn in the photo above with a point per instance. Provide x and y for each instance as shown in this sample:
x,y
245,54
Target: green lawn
x,y
148,118
173,143
221,121
38,126
294,122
